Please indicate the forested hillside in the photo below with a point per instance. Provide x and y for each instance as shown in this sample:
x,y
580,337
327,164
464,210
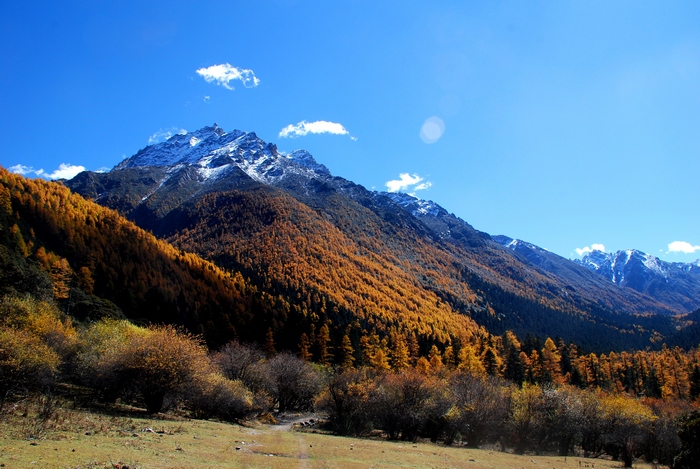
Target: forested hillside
x,y
97,263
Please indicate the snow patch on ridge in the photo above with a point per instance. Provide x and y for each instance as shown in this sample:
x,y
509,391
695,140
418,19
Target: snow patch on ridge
x,y
417,207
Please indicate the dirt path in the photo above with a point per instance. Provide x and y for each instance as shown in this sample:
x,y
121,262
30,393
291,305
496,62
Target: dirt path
x,y
287,421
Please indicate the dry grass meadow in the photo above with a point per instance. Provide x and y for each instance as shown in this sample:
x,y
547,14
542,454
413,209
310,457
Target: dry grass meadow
x,y
90,440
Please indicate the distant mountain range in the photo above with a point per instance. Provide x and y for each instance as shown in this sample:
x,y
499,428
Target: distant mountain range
x,y
330,250
675,284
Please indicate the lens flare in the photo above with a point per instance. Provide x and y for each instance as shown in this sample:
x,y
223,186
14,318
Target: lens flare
x,y
432,129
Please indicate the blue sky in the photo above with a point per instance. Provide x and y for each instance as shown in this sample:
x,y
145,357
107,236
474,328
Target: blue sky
x,y
565,124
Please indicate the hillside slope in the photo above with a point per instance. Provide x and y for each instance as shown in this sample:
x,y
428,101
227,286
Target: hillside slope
x,y
93,255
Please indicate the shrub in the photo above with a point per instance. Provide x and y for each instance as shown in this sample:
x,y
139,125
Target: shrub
x,y
242,362
625,423
26,363
101,360
404,403
153,362
689,434
346,402
291,382
41,319
34,341
217,396
481,408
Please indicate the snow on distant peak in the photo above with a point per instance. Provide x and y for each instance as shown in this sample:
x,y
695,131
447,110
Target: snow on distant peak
x,y
654,264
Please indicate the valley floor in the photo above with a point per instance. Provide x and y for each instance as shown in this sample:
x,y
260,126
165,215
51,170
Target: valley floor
x,y
86,440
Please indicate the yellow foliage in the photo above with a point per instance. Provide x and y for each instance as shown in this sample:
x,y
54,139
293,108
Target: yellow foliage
x,y
620,408
40,319
25,362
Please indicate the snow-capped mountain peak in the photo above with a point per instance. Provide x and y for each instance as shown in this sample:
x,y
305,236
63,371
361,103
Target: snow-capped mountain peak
x,y
213,151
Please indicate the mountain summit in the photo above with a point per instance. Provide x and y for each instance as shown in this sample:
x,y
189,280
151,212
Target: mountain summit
x,y
215,153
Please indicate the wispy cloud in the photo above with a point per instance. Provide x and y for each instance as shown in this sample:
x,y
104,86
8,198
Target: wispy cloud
x,y
25,170
591,248
408,183
318,127
64,171
682,246
224,74
163,135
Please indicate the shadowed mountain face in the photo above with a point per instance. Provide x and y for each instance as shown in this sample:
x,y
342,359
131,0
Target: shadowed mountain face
x,y
332,248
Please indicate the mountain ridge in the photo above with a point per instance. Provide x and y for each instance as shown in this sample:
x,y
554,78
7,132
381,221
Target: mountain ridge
x,y
467,269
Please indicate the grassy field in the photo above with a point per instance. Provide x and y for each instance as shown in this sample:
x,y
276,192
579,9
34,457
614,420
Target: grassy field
x,y
88,440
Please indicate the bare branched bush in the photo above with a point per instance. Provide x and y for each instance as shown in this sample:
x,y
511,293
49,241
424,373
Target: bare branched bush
x,y
242,362
404,403
217,396
481,408
291,382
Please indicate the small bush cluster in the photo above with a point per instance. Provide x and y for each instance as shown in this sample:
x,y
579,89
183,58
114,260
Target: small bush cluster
x,y
155,366
160,364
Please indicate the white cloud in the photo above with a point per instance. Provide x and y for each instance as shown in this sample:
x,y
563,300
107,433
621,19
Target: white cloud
x,y
223,74
318,127
591,248
682,246
25,170
408,183
163,135
432,129
64,171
